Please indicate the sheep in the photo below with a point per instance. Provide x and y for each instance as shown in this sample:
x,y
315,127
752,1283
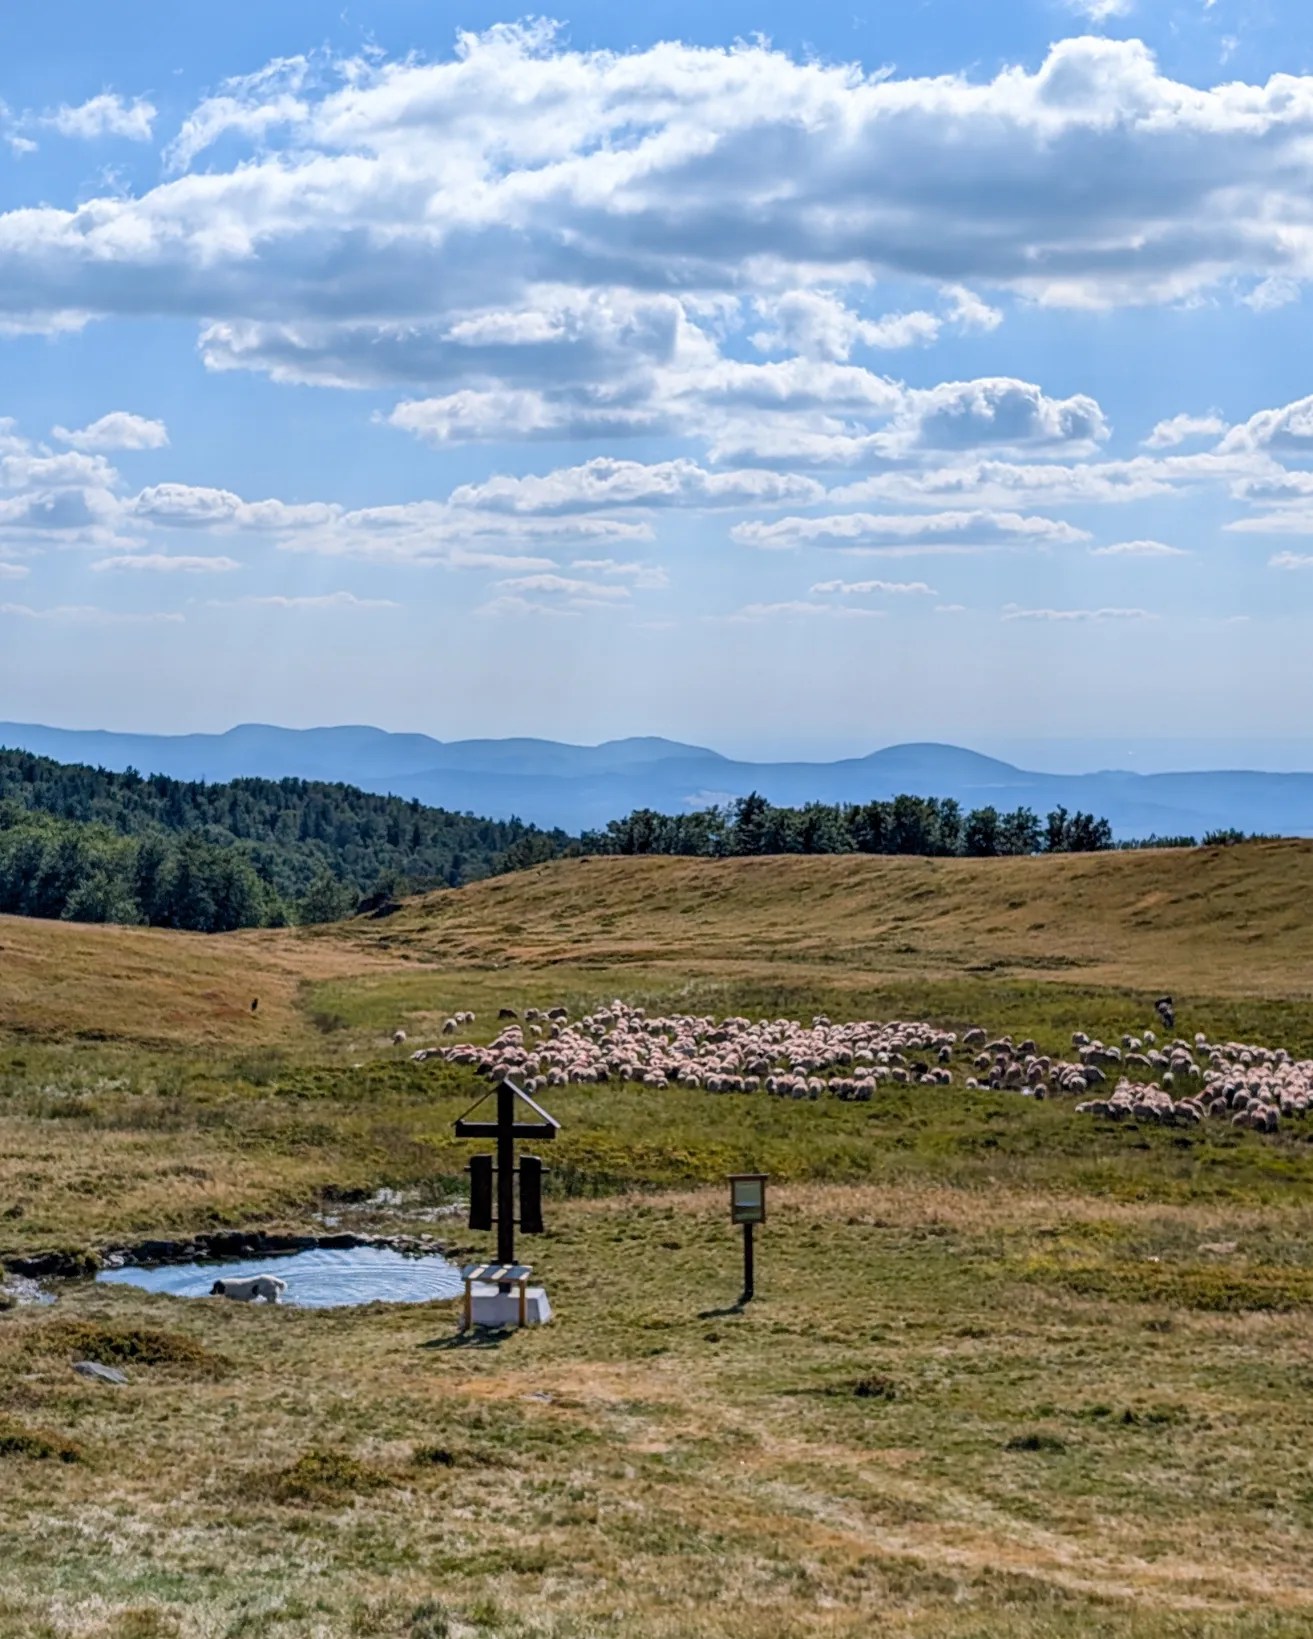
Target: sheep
x,y
247,1288
398,1038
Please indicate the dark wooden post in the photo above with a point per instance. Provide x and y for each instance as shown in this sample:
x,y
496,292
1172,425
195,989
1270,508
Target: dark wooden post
x,y
748,1286
506,1173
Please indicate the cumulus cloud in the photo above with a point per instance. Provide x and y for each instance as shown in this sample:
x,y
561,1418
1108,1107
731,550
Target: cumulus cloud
x,y
164,563
997,412
191,506
1139,549
376,195
1013,611
1180,428
975,528
1291,560
1284,431
119,430
816,325
606,482
107,115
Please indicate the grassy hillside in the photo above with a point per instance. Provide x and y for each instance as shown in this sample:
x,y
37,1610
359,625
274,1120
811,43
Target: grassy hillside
x,y
1010,1371
952,937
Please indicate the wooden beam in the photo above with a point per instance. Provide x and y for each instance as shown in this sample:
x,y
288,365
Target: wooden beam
x,y
491,1129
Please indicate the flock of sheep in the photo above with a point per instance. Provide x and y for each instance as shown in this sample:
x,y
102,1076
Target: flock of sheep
x,y
1179,1081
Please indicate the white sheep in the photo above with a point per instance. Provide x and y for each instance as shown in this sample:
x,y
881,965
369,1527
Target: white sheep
x,y
398,1038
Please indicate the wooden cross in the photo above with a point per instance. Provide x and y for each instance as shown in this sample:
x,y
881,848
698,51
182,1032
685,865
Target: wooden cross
x,y
505,1130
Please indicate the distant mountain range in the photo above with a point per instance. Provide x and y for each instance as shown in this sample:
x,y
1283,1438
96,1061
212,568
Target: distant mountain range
x,y
582,787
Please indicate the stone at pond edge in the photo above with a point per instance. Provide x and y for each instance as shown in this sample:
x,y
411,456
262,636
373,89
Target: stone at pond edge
x,y
66,1265
102,1374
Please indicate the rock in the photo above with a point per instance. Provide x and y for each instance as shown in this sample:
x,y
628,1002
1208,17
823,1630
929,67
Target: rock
x,y
68,1265
101,1374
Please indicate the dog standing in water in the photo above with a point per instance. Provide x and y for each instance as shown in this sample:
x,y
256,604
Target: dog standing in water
x,y
250,1287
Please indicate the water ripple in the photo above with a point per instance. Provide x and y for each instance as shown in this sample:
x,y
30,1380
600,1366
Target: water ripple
x,y
321,1278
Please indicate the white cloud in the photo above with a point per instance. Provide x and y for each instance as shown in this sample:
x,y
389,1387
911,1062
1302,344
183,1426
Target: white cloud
x,y
861,588
13,571
320,600
950,608
1052,483
974,528
607,482
1272,292
1139,549
1168,434
107,115
1013,611
1100,11
750,613
998,412
88,615
645,577
1287,430
165,564
374,200
969,312
551,585
816,325
1291,560
191,506
119,430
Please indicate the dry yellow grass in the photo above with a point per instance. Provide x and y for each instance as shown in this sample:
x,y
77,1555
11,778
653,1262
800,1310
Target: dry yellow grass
x,y
1014,1375
1227,922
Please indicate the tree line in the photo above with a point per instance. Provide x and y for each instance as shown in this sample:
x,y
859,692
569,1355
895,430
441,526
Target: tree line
x,y
92,845
934,827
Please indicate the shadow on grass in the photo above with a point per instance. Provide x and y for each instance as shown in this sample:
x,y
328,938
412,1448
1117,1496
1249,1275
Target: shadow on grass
x,y
480,1338
738,1307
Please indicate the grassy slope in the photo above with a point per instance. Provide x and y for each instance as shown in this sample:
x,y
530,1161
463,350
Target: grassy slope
x,y
1081,1347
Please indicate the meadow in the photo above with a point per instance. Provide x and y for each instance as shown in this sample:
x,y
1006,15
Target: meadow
x,y
1008,1370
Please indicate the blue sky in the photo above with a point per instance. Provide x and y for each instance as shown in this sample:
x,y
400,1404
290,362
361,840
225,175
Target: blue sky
x,y
793,380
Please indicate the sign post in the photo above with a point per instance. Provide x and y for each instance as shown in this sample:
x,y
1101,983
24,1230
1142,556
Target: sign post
x,y
747,1206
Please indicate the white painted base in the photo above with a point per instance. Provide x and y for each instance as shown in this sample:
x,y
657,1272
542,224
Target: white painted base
x,y
495,1309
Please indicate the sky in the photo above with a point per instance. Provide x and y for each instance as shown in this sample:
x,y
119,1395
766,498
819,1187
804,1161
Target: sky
x,y
791,380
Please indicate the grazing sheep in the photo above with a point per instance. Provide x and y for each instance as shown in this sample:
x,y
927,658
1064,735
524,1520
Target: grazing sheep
x,y
246,1289
398,1038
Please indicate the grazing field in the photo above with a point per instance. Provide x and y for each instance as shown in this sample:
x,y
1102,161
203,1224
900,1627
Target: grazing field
x,y
1009,1370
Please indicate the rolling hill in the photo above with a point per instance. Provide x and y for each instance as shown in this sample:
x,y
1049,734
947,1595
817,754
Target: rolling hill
x,y
551,784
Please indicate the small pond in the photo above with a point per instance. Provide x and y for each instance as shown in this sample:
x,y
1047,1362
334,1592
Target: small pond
x,y
321,1278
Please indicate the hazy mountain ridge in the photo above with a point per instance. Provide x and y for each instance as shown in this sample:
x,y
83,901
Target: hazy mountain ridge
x,y
550,783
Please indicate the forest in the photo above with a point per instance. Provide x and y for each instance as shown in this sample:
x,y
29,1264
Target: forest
x,y
90,845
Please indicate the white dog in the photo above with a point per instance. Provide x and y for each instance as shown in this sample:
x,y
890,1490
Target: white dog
x,y
246,1290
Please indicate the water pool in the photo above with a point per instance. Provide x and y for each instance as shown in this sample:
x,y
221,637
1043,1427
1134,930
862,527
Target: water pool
x,y
319,1278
